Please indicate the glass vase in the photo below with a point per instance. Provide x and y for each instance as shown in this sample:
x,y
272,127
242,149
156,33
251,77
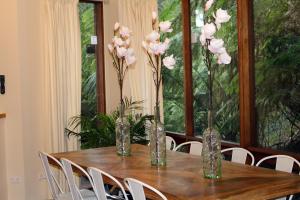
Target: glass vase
x,y
211,152
123,134
157,140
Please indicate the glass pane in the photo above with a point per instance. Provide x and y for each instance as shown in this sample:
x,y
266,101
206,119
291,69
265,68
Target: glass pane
x,y
87,28
225,83
277,73
173,91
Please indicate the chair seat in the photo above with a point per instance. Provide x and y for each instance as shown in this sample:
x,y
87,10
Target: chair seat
x,y
86,195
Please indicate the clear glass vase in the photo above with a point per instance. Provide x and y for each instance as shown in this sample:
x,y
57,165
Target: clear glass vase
x,y
211,152
123,134
157,141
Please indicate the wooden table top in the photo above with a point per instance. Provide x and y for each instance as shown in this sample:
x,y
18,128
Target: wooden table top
x,y
182,178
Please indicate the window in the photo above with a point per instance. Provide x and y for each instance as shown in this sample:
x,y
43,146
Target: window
x,y
277,73
173,93
93,87
257,96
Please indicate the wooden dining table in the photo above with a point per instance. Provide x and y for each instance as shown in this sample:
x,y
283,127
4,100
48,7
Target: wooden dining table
x,y
182,178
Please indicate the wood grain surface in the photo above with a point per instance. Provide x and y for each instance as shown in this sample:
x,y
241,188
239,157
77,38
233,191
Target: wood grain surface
x,y
182,178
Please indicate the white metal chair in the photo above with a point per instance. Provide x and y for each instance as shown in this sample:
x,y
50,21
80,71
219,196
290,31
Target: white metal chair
x,y
239,155
76,193
195,147
283,163
99,188
136,189
55,189
170,143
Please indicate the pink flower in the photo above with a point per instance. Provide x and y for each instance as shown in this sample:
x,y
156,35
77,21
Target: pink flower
x,y
145,45
165,27
208,4
121,52
169,62
153,36
216,46
130,60
125,32
224,58
117,41
157,48
209,30
221,17
202,39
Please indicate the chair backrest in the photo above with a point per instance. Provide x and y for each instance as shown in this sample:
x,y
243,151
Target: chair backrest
x,y
136,189
97,176
195,147
283,163
170,143
55,189
239,155
68,168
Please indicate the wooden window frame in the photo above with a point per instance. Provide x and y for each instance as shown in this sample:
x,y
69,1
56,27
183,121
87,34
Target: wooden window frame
x,y
100,71
248,132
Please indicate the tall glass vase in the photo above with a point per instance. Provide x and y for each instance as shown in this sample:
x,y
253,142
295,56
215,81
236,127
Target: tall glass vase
x,y
211,151
157,140
123,134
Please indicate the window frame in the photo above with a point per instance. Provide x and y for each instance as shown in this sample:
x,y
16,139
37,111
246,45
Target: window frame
x,y
100,71
248,132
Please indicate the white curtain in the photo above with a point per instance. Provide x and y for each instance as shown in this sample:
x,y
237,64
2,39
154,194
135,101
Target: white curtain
x,y
137,15
62,66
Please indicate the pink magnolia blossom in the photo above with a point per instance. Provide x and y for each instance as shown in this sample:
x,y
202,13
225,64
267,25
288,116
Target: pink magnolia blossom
x,y
209,30
165,27
110,48
154,16
169,62
117,41
116,26
121,52
216,46
157,48
153,36
125,32
221,17
224,58
202,39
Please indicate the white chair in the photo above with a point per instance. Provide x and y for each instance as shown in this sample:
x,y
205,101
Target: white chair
x,y
239,155
136,189
195,147
76,193
170,143
283,163
55,189
97,176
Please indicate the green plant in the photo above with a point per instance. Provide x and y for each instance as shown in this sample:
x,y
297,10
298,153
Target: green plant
x,y
99,130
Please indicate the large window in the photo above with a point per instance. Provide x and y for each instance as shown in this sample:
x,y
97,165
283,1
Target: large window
x,y
257,96
277,73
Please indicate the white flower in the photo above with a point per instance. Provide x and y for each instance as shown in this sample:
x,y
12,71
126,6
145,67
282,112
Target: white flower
x,y
117,26
169,62
224,58
125,32
157,48
209,30
216,46
121,52
221,17
154,16
165,27
208,4
110,48
130,60
153,36
202,39
117,41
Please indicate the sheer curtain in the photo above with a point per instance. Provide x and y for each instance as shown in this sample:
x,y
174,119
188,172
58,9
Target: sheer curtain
x,y
62,71
137,15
